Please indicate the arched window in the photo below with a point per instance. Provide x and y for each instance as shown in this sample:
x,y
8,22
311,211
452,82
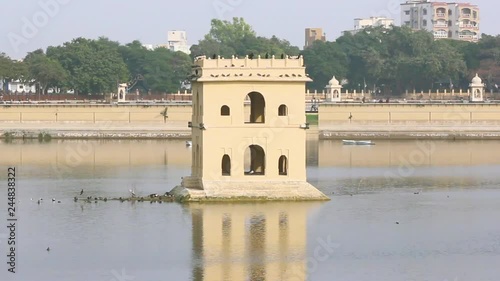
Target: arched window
x,y
283,166
424,12
226,165
282,110
225,111
441,10
257,108
255,160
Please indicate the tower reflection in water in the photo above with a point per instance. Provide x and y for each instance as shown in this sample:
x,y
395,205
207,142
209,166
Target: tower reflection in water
x,y
250,241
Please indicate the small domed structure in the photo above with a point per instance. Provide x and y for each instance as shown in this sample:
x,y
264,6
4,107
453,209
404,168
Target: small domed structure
x,y
476,89
333,91
477,80
334,82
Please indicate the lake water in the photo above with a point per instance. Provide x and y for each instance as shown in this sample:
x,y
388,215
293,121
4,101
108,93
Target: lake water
x,y
400,211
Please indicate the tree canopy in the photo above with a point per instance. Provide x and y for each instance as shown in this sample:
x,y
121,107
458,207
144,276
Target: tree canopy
x,y
391,60
227,38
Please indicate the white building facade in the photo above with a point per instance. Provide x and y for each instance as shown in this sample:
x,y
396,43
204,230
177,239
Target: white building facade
x,y
458,21
176,42
17,86
360,24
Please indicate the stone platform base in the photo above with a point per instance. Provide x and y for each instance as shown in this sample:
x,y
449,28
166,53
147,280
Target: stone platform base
x,y
192,190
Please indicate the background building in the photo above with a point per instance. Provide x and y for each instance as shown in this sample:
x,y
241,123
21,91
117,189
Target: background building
x,y
459,21
176,41
360,24
313,34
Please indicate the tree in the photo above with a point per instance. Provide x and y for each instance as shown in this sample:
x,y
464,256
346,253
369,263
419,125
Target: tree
x,y
165,70
210,47
5,66
93,66
238,38
324,60
367,53
44,71
228,33
134,55
11,70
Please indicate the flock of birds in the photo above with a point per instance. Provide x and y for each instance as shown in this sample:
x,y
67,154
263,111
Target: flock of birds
x,y
258,74
96,199
250,56
105,199
89,199
41,200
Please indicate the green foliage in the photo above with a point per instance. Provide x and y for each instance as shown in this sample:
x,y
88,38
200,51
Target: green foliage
x,y
390,60
134,56
228,33
94,66
44,137
44,71
323,60
8,136
165,70
238,38
312,119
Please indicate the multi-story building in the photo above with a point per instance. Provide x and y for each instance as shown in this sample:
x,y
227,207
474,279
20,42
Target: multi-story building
x,y
176,41
313,34
360,24
459,21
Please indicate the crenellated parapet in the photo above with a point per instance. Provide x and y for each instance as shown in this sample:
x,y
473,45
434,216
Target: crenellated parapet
x,y
288,68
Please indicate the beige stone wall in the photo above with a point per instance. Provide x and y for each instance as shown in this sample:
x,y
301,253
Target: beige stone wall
x,y
230,135
94,113
335,114
227,82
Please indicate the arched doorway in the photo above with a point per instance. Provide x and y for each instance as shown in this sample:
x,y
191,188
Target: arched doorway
x,y
257,108
283,166
226,165
254,160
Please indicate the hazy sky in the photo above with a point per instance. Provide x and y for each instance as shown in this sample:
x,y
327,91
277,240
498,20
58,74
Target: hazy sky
x,y
27,25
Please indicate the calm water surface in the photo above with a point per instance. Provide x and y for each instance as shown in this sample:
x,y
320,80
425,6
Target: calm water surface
x,y
374,228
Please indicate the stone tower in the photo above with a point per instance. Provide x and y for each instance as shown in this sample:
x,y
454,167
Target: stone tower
x,y
248,131
477,89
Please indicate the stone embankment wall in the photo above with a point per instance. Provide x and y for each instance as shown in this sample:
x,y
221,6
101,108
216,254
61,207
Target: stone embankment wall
x,y
468,121
148,121
93,120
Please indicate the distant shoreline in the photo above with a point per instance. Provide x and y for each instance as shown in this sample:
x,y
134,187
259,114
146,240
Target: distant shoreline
x,y
370,132
412,132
